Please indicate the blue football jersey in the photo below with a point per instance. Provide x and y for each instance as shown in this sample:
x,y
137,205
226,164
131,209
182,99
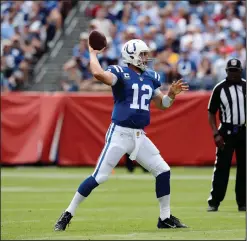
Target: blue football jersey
x,y
132,96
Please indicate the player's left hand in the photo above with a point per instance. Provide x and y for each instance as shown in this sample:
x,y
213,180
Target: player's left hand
x,y
178,86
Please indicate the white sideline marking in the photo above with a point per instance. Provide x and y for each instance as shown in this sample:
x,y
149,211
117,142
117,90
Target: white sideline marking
x,y
20,221
139,235
41,190
115,176
103,209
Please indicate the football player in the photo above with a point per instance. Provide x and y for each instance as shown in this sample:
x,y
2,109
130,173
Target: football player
x,y
133,87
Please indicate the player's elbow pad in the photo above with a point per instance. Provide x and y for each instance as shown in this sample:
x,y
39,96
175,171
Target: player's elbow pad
x,y
166,101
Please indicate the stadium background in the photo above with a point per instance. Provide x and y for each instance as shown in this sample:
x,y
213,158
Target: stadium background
x,y
54,114
43,49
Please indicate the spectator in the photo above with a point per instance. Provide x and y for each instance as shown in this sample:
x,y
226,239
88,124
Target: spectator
x,y
221,39
81,55
194,55
239,52
204,74
102,23
190,39
166,18
141,26
114,10
158,37
4,81
27,27
171,57
148,38
7,27
125,20
159,68
70,80
151,9
52,11
234,38
172,41
187,69
219,72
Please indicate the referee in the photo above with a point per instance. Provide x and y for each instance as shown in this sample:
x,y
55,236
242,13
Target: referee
x,y
229,97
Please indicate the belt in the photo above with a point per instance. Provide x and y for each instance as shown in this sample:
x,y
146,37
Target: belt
x,y
233,128
138,138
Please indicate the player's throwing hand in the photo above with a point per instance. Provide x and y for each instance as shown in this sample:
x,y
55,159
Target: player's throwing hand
x,y
91,50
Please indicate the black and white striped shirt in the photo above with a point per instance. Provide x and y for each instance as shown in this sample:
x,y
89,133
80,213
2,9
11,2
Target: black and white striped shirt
x,y
230,100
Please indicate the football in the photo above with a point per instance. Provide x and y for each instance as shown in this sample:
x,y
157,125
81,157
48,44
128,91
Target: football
x,y
97,40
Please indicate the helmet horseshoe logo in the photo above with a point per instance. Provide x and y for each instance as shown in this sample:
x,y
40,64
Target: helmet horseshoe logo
x,y
127,49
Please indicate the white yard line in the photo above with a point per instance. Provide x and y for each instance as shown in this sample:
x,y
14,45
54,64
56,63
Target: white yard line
x,y
74,220
106,209
37,174
44,190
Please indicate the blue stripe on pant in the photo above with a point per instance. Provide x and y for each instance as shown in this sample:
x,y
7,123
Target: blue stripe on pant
x,y
103,155
108,131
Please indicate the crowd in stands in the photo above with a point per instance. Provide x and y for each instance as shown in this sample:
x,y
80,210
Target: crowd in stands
x,y
27,28
188,39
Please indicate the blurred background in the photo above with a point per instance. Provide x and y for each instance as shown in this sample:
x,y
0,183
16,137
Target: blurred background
x,y
45,62
44,43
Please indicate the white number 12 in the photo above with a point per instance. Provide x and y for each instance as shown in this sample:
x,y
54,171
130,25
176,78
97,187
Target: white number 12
x,y
144,97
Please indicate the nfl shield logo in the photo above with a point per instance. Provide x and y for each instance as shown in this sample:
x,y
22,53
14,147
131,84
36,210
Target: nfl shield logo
x,y
141,79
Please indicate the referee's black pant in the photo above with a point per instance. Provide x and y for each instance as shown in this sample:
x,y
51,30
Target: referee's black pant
x,y
235,139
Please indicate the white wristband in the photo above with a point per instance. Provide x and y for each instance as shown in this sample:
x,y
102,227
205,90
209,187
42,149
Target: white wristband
x,y
166,101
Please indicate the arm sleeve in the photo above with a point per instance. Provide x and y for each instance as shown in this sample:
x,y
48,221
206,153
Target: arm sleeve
x,y
116,71
214,101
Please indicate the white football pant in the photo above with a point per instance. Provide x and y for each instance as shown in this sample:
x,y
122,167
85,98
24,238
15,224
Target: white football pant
x,y
122,140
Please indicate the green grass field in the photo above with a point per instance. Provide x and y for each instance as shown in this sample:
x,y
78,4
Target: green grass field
x,y
124,208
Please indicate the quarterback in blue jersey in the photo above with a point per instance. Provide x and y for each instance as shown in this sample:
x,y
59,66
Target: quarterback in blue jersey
x,y
133,87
